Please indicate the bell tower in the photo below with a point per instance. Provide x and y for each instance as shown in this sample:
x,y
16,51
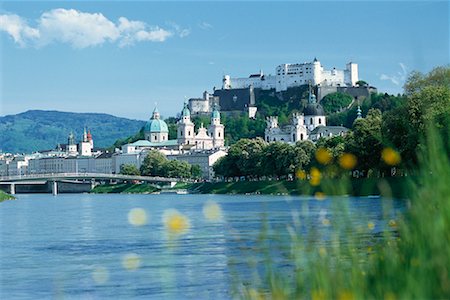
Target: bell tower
x,y
216,129
186,133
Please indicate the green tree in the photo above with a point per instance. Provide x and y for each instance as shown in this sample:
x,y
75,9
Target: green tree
x,y
196,171
129,169
153,164
365,140
176,169
335,102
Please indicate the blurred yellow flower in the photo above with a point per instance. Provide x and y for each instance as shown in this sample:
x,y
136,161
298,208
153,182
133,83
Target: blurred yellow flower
x,y
346,295
301,174
137,217
131,262
316,176
254,295
347,161
370,225
326,222
392,223
319,196
100,275
322,251
318,295
390,156
212,211
389,296
175,222
323,156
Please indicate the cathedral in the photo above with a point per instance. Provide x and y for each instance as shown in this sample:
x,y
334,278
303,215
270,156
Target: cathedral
x,y
156,133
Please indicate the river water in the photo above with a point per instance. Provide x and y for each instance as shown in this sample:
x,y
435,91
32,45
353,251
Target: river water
x,y
82,246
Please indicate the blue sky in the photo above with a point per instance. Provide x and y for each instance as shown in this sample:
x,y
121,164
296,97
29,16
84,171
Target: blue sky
x,y
123,57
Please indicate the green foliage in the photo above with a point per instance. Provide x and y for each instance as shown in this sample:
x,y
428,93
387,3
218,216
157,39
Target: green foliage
x,y
361,83
4,196
156,164
256,158
39,130
125,188
335,102
365,140
128,169
196,171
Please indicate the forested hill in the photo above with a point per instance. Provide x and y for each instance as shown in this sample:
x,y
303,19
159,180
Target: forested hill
x,y
38,129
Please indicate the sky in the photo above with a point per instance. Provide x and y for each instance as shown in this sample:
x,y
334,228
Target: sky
x,y
123,58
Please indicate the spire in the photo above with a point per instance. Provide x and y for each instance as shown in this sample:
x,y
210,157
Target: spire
x,y
71,139
85,135
358,113
311,96
155,115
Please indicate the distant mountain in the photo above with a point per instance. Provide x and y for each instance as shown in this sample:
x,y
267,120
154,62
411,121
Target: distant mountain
x,y
39,130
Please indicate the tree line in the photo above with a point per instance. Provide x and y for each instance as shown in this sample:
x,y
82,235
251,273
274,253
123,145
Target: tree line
x,y
157,164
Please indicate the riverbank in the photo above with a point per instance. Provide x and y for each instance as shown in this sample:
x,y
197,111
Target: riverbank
x,y
396,187
125,188
4,196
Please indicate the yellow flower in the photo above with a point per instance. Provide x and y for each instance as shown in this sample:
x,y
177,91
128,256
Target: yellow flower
x,y
370,225
301,174
390,156
316,176
326,222
100,275
254,295
323,156
319,196
389,296
318,295
322,251
212,211
175,222
131,262
346,295
347,161
137,217
392,223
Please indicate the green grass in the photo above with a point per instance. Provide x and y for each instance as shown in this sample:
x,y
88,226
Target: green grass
x,y
398,187
126,188
4,196
407,257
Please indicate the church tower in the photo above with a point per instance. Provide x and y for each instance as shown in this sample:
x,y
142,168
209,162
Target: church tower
x,y
216,129
71,146
186,134
299,132
85,145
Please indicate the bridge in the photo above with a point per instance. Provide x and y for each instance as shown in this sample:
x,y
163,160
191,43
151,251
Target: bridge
x,y
54,178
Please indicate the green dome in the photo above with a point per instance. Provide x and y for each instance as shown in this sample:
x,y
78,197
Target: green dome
x,y
186,112
215,114
156,125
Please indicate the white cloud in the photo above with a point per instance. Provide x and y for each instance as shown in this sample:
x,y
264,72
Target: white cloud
x,y
399,78
17,28
205,25
181,32
81,30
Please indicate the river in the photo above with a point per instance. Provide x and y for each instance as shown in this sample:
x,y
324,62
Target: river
x,y
82,246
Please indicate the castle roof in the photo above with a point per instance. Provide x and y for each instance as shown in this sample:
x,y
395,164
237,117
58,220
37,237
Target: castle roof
x,y
314,109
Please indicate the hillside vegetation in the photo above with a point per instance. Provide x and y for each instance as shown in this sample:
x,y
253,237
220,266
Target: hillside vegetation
x,y
38,130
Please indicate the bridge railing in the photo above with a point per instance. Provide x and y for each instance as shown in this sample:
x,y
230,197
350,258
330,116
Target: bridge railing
x,y
55,176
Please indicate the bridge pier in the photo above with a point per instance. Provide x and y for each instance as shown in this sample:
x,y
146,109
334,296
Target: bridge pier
x,y
12,189
54,188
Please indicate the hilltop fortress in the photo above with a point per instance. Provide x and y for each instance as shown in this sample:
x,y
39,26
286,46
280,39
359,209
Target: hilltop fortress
x,y
293,75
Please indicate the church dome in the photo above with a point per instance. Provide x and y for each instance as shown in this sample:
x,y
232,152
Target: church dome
x,y
155,124
215,114
314,110
186,112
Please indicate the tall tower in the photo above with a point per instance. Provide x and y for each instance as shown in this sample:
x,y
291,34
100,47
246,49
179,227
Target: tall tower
x,y
299,132
90,139
216,129
71,146
186,134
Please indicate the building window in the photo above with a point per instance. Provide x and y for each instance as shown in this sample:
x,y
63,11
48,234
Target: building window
x,y
310,121
219,133
189,133
320,121
301,136
274,139
293,137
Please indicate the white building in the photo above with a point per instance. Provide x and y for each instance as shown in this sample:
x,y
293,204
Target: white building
x,y
204,159
292,75
204,139
310,125
204,105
